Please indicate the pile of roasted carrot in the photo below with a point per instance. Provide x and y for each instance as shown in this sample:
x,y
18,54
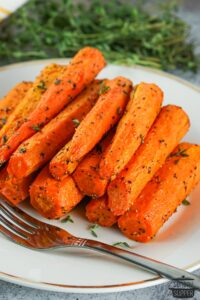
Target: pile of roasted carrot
x,y
68,135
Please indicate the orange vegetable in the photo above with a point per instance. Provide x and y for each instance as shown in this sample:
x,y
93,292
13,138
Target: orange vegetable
x,y
81,71
141,111
26,106
12,99
42,146
14,190
105,114
98,212
170,126
163,194
52,198
87,175
59,164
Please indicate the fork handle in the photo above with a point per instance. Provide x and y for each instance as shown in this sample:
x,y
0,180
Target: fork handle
x,y
155,266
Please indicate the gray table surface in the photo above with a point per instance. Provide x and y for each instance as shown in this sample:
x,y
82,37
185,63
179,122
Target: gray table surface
x,y
190,11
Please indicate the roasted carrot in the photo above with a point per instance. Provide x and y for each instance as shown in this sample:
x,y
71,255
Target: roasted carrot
x,y
87,175
12,99
98,212
59,164
42,146
81,71
163,194
28,104
14,190
114,95
52,198
142,109
170,126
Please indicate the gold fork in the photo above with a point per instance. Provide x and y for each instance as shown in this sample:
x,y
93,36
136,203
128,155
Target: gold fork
x,y
34,234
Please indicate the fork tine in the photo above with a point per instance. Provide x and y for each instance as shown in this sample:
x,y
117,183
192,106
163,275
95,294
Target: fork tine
x,y
20,215
15,221
7,228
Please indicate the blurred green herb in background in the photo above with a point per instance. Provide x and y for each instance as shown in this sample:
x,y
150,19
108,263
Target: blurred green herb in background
x,y
126,33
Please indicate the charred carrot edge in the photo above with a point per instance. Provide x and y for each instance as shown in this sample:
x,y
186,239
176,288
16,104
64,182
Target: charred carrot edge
x,y
12,99
13,189
98,212
52,198
114,97
81,71
163,194
42,146
87,175
141,111
170,126
27,105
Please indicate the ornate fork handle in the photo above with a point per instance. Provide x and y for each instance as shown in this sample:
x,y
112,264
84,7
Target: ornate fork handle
x,y
155,266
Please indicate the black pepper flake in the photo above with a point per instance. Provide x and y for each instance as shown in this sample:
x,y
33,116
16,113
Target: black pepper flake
x,y
22,150
57,81
4,139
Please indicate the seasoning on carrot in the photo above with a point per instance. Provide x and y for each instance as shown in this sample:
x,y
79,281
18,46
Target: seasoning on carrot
x,y
42,146
28,104
87,175
140,113
114,94
14,190
80,72
98,212
170,126
12,99
51,198
163,194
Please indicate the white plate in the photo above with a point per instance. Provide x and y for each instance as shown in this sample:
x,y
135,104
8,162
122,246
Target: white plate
x,y
87,272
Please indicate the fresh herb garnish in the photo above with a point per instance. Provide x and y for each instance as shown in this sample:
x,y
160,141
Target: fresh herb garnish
x,y
180,152
3,120
57,81
76,122
67,219
22,150
103,89
92,229
42,86
122,244
36,127
186,202
126,33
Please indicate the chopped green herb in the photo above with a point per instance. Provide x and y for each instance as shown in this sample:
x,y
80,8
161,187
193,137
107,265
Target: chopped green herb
x,y
57,81
42,86
180,152
67,219
92,229
22,150
76,122
142,138
122,244
4,139
186,202
103,89
36,127
3,120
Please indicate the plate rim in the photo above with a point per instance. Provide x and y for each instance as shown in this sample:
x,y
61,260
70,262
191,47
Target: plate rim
x,y
100,288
